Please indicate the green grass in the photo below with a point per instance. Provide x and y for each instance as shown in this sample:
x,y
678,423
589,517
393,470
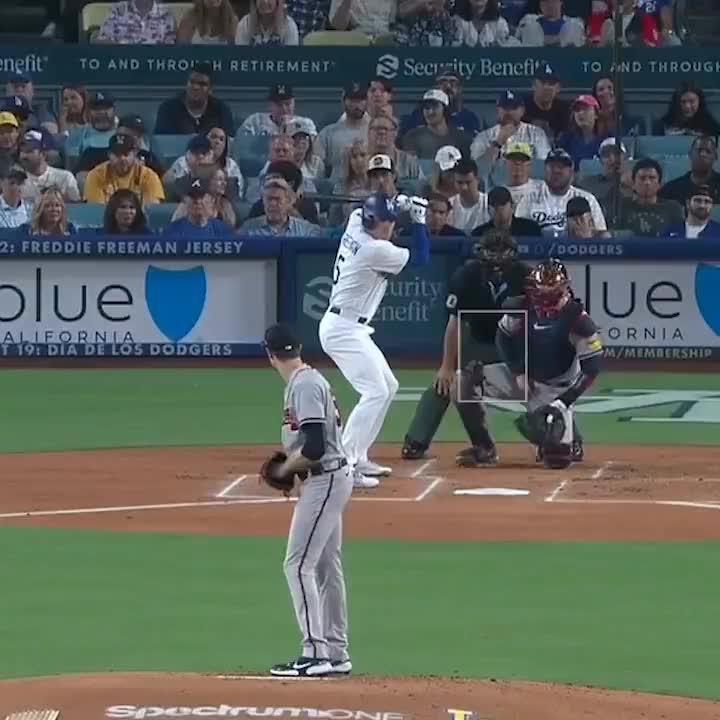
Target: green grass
x,y
633,615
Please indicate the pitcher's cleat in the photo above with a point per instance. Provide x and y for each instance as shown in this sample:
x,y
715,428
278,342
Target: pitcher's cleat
x,y
340,667
302,667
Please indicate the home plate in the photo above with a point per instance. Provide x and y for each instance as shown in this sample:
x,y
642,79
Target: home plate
x,y
506,492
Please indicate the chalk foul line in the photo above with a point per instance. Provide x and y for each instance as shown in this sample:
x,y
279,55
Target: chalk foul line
x,y
552,497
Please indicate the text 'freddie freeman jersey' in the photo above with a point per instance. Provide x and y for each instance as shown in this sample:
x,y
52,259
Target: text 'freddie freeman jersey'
x,y
309,399
549,211
362,265
555,342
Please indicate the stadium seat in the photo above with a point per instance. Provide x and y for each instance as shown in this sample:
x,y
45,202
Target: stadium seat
x,y
426,166
242,210
178,9
86,215
92,17
169,148
716,213
665,146
336,37
537,169
590,167
324,185
160,214
674,167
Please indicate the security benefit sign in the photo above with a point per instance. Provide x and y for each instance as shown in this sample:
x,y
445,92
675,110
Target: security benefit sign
x,y
134,308
653,310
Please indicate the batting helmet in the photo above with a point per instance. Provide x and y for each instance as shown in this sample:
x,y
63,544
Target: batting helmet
x,y
377,207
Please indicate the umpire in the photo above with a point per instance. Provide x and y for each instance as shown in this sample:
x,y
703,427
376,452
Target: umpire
x,y
482,283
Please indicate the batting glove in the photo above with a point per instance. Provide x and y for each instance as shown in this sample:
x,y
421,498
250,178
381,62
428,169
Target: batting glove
x,y
402,203
418,210
559,404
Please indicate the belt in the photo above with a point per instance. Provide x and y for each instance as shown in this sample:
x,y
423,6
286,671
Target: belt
x,y
318,469
337,311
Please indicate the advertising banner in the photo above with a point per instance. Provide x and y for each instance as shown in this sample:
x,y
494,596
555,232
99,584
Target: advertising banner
x,y
125,308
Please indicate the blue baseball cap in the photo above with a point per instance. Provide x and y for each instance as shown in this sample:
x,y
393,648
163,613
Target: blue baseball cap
x,y
17,105
19,76
546,73
509,99
559,155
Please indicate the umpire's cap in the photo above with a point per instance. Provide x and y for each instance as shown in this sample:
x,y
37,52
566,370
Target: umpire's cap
x,y
282,340
378,206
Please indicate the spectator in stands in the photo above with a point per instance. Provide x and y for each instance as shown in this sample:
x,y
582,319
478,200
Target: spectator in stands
x,y
73,108
501,209
137,22
291,174
123,170
582,140
198,161
9,137
425,141
267,25
281,107
124,215
33,158
372,17
219,146
517,166
426,23
699,207
208,22
278,200
580,221
102,125
437,217
604,93
548,204
332,140
49,216
381,175
688,114
282,149
488,145
353,181
655,22
303,133
20,84
14,211
199,221
443,180
544,107
645,214
481,25
602,186
195,109
601,25
551,27
382,133
380,98
134,125
220,206
469,207
703,154
449,81
309,15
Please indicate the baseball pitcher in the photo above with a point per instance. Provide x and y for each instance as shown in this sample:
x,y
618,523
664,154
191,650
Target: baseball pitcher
x,y
365,259
314,461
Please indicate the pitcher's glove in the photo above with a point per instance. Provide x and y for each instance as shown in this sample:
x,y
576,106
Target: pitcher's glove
x,y
269,473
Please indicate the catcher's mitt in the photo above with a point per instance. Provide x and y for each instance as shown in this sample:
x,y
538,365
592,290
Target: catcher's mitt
x,y
269,473
545,428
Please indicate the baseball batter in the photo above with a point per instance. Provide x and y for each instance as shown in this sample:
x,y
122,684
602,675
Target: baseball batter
x,y
311,438
564,353
365,259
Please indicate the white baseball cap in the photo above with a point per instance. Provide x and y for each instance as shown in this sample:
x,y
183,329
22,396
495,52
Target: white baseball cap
x,y
611,142
435,95
300,125
447,157
380,162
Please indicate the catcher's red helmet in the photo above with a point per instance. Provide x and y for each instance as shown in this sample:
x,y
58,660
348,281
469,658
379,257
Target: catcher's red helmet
x,y
548,286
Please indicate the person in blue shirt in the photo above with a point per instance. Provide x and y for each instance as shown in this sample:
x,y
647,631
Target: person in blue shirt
x,y
198,223
699,207
582,140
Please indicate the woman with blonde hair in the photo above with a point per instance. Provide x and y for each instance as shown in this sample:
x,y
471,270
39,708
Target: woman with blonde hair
x,y
267,24
208,22
354,181
49,216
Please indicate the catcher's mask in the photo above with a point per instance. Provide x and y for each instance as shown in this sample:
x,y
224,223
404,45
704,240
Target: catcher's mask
x,y
496,248
548,287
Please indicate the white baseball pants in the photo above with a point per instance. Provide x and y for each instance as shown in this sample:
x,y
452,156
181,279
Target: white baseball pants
x,y
361,361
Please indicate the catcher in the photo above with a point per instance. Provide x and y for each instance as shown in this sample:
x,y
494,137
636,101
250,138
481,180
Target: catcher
x,y
564,352
312,460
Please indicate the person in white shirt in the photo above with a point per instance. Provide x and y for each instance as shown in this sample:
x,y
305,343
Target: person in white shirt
x,y
480,24
281,107
551,27
517,167
489,144
372,17
547,205
302,132
267,23
40,176
469,208
14,211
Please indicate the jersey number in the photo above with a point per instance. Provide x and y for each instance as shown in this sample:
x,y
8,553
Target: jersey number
x,y
336,269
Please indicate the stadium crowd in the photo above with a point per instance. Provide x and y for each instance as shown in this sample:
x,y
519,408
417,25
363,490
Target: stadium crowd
x,y
544,166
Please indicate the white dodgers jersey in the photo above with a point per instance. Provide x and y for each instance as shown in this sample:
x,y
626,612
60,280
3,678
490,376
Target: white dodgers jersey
x,y
549,211
362,265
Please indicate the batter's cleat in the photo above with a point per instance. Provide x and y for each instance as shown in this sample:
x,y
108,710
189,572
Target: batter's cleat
x,y
413,450
368,468
303,667
476,456
340,667
577,451
363,482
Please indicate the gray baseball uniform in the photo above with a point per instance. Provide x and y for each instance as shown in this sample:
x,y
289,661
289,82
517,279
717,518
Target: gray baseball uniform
x,y
313,563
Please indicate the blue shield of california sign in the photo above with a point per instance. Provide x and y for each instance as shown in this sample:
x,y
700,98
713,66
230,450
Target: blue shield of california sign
x,y
175,299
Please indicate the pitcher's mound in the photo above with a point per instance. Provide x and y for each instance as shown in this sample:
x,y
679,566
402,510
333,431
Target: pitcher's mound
x,y
139,696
